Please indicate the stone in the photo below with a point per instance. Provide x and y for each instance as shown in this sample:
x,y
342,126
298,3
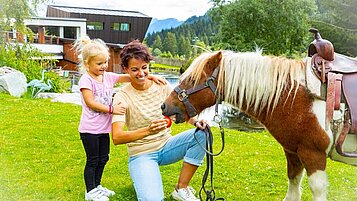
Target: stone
x,y
12,81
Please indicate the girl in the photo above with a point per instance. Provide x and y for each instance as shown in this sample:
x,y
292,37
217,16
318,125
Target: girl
x,y
96,87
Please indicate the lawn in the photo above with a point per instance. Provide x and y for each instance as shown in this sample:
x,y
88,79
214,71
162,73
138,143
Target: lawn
x,y
42,158
157,65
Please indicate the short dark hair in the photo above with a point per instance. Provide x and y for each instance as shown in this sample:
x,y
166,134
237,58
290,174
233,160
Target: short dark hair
x,y
134,49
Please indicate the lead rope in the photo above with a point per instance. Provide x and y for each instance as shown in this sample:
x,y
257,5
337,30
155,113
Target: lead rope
x,y
210,193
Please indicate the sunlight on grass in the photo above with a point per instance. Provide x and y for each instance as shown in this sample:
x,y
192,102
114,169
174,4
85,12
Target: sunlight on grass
x,y
157,65
42,158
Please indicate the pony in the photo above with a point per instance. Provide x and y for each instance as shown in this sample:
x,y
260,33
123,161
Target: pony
x,y
275,91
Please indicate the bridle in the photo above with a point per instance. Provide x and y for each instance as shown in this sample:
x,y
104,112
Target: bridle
x,y
183,94
183,97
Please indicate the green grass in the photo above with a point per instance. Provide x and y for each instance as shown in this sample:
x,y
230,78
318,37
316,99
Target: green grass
x,y
157,65
42,158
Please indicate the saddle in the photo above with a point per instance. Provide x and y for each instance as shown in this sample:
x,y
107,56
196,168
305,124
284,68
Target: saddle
x,y
339,72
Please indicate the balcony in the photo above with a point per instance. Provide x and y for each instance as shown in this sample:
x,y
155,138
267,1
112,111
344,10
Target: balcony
x,y
46,44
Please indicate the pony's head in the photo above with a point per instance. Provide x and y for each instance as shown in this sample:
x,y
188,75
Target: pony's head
x,y
196,90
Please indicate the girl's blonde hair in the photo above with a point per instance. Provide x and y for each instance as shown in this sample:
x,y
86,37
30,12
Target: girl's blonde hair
x,y
87,48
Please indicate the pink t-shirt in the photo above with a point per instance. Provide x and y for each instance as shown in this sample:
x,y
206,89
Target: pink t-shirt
x,y
92,121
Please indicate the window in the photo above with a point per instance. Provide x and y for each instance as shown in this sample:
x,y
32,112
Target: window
x,y
70,32
51,30
116,26
95,25
124,27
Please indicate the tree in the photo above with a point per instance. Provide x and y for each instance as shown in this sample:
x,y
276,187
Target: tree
x,y
277,26
157,43
184,46
170,43
14,13
337,22
339,13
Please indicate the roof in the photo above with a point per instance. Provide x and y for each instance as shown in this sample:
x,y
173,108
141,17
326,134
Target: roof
x,y
57,19
99,11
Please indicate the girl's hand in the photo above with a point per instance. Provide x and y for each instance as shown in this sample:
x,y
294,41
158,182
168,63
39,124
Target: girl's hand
x,y
157,126
119,109
158,80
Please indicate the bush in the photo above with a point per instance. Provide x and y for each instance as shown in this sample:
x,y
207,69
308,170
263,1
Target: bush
x,y
166,55
31,62
157,52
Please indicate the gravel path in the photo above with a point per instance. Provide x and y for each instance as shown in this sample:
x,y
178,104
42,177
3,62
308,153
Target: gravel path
x,y
74,98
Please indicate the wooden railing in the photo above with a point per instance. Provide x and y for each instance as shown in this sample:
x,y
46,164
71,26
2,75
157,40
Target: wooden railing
x,y
39,38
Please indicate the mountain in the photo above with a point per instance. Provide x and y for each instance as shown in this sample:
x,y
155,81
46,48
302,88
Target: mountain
x,y
194,19
201,30
157,25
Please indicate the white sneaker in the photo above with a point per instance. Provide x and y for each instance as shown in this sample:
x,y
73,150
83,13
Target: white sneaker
x,y
96,195
106,191
184,194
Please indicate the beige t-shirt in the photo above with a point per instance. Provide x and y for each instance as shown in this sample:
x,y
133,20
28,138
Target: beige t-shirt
x,y
141,108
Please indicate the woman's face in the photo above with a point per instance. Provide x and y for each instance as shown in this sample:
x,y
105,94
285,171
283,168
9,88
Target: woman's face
x,y
138,71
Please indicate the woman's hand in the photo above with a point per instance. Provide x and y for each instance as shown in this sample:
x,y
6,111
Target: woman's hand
x,y
201,124
157,126
119,109
157,79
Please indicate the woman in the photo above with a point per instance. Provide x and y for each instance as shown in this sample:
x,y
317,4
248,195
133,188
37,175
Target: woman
x,y
148,139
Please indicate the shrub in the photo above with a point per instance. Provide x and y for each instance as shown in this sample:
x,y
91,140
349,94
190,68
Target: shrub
x,y
31,62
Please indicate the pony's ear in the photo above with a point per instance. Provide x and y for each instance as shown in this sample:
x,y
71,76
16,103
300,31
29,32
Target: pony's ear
x,y
214,60
219,55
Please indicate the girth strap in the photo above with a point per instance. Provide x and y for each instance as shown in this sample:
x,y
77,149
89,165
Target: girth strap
x,y
333,96
338,85
330,99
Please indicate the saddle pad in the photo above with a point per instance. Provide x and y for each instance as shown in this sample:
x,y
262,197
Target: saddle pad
x,y
344,64
313,83
349,84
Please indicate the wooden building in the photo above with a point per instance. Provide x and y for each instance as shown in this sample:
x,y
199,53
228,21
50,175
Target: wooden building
x,y
56,33
112,26
70,58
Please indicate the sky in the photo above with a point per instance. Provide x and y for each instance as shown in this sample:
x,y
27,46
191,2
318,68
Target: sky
x,y
160,9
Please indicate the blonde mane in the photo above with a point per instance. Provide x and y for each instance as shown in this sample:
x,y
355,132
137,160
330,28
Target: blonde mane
x,y
259,80
195,71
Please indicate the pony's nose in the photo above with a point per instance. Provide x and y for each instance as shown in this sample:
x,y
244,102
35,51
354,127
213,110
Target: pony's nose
x,y
163,108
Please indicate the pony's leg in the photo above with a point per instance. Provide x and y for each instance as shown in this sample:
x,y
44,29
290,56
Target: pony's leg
x,y
295,175
318,184
315,165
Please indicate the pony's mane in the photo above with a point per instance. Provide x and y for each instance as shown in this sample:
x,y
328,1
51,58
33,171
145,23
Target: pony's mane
x,y
260,80
195,71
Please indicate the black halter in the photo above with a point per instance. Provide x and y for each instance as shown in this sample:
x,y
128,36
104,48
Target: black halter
x,y
183,97
183,94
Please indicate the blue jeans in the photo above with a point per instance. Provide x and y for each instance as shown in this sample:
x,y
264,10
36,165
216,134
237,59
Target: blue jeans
x,y
144,169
